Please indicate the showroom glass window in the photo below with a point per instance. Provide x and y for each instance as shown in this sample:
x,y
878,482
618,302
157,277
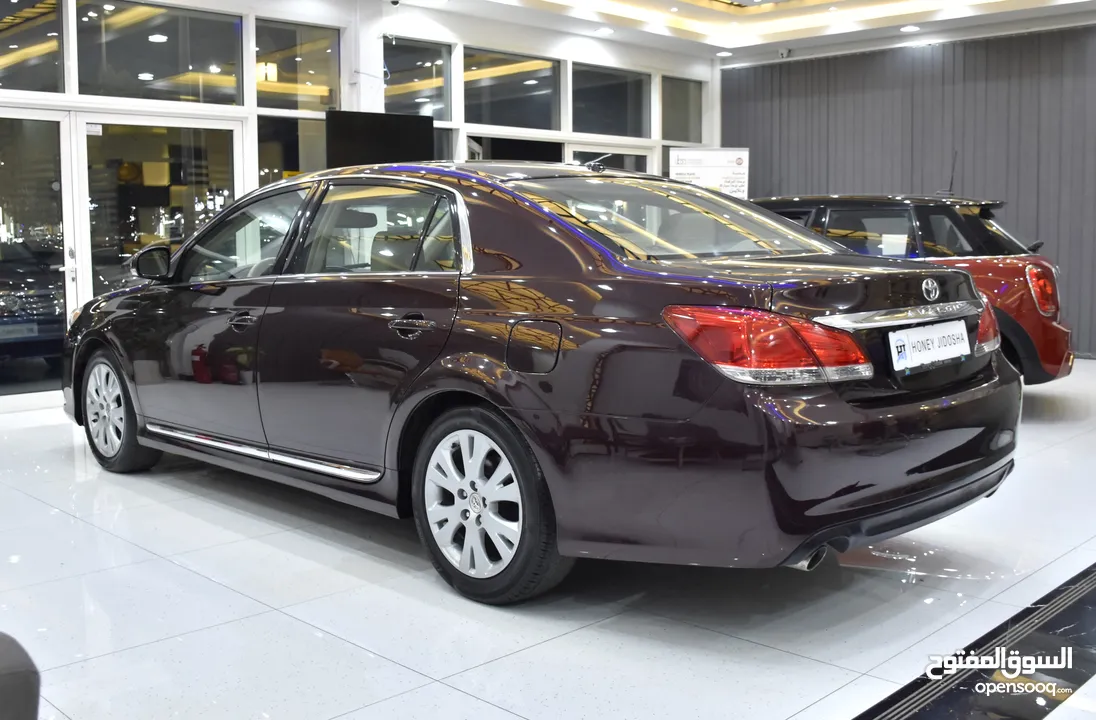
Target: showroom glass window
x,y
611,102
512,90
682,109
417,78
297,66
290,146
30,47
160,53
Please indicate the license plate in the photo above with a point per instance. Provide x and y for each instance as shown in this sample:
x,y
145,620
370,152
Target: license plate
x,y
22,330
917,347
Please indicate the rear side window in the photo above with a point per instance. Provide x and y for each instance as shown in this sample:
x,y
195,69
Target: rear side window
x,y
943,235
988,235
372,228
799,217
873,231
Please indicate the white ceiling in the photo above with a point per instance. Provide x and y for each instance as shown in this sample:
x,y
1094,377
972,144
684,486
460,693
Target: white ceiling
x,y
756,31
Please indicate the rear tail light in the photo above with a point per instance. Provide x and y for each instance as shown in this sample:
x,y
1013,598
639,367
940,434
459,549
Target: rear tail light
x,y
1041,282
763,348
989,335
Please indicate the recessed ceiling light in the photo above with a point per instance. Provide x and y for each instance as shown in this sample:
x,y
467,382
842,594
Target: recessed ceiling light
x,y
474,67
13,47
309,84
420,100
833,9
145,76
311,72
51,34
85,18
673,9
157,38
108,8
297,59
530,82
604,31
215,69
909,28
724,53
328,50
92,13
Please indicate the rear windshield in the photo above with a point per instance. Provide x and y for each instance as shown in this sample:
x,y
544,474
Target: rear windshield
x,y
654,220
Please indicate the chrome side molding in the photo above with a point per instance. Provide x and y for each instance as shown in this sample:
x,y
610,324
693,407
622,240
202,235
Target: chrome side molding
x,y
345,472
901,316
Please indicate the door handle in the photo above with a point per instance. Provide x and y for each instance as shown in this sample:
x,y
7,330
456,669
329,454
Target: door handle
x,y
242,320
411,325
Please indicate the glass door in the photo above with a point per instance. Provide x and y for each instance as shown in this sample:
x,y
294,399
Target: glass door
x,y
148,181
37,269
632,159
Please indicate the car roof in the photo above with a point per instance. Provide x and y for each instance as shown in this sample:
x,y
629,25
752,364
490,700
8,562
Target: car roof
x,y
495,170
873,200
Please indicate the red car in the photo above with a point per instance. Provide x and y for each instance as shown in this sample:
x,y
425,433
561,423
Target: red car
x,y
1021,284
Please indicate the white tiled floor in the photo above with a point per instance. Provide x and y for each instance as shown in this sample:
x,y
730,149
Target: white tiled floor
x,y
191,592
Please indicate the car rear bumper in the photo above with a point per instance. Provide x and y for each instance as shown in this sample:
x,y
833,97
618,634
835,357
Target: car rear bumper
x,y
1053,346
759,478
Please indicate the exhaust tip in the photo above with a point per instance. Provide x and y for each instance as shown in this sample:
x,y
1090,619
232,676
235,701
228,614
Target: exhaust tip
x,y
811,561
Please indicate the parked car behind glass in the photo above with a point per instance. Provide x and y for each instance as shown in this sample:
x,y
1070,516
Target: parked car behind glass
x,y
540,362
1022,285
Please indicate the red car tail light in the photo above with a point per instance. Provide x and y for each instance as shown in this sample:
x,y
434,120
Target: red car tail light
x,y
989,335
1041,282
763,348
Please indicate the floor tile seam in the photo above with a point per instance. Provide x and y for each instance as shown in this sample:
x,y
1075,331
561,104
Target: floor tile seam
x,y
750,641
64,715
153,642
445,679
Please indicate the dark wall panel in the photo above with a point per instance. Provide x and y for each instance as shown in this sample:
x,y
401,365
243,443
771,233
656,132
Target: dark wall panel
x,y
1019,111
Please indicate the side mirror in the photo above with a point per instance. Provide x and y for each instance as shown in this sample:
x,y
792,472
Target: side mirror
x,y
152,263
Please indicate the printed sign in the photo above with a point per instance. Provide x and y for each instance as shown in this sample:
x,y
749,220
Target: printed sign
x,y
723,169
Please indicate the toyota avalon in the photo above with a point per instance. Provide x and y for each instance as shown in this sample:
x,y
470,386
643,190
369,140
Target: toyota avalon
x,y
540,362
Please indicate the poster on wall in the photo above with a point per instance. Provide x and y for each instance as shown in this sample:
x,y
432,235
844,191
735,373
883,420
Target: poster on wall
x,y
723,169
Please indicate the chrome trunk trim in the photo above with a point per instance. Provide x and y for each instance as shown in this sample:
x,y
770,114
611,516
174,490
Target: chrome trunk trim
x,y
901,316
345,472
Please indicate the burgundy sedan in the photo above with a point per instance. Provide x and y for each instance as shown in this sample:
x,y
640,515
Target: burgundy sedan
x,y
540,362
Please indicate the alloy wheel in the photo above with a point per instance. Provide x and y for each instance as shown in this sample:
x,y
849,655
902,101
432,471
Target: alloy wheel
x,y
105,410
473,503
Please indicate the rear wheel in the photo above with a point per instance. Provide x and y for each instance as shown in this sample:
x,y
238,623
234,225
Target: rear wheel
x,y
483,510
109,420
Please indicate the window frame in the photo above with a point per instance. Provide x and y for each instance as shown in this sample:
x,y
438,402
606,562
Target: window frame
x,y
648,81
456,207
219,222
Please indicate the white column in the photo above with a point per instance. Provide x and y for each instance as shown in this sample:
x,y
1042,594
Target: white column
x,y
713,107
250,132
365,59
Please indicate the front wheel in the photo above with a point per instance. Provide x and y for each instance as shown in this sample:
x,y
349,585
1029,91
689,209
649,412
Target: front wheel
x,y
110,422
483,510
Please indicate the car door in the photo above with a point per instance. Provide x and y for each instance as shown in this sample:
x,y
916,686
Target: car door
x,y
366,303
193,341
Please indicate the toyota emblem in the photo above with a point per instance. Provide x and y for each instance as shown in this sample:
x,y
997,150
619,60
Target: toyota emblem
x,y
931,289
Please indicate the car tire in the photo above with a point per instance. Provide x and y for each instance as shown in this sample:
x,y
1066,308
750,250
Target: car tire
x,y
110,422
500,551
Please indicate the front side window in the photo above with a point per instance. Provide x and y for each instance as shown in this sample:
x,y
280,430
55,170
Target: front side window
x,y
663,221
873,231
368,229
245,245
